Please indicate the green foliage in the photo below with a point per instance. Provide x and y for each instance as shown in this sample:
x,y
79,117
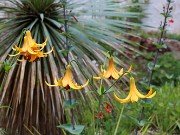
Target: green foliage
x,y
146,35
167,70
165,109
161,115
6,65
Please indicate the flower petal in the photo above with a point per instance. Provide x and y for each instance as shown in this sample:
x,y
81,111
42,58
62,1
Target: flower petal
x,y
42,45
12,55
75,86
50,85
49,51
139,94
97,78
115,75
152,95
121,72
31,51
126,100
134,98
134,89
84,85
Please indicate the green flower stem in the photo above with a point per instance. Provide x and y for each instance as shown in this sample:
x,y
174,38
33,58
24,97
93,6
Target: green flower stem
x,y
119,120
71,111
114,83
67,59
99,107
66,29
160,42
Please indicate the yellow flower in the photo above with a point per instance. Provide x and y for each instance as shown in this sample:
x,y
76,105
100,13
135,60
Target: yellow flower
x,y
134,94
67,81
30,49
111,71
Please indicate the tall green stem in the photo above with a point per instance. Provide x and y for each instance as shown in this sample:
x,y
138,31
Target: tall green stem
x,y
119,120
159,42
67,59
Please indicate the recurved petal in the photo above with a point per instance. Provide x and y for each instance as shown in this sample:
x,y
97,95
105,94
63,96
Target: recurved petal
x,y
150,92
97,78
42,45
115,75
12,55
152,95
50,85
126,100
121,72
129,70
31,51
49,51
75,86
139,94
14,48
20,60
84,85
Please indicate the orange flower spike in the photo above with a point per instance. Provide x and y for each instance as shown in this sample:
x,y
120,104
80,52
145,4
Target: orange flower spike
x,y
134,94
111,71
67,81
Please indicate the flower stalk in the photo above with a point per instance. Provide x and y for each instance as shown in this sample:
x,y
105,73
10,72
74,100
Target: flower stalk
x,y
119,120
67,59
166,14
161,39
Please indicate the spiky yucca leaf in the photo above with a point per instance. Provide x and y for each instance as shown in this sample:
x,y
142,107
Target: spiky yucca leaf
x,y
92,31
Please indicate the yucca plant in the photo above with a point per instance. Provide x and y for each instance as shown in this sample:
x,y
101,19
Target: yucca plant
x,y
88,29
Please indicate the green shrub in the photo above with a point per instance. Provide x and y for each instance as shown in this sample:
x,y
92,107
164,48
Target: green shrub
x,y
167,70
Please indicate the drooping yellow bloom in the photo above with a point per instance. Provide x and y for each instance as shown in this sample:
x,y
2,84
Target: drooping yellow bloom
x,y
134,94
111,71
30,49
67,81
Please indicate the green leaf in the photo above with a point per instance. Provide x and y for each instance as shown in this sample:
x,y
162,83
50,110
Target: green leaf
x,y
68,127
137,122
101,90
151,66
169,76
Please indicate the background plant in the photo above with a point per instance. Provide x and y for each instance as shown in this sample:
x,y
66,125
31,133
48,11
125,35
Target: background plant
x,y
166,70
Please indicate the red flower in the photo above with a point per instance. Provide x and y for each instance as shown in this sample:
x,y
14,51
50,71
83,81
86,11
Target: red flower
x,y
108,107
170,21
100,115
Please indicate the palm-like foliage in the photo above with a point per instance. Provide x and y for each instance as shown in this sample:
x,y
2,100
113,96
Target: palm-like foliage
x,y
91,31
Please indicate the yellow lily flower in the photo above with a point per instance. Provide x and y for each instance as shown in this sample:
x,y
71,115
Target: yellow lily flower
x,y
30,49
111,71
67,81
134,94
